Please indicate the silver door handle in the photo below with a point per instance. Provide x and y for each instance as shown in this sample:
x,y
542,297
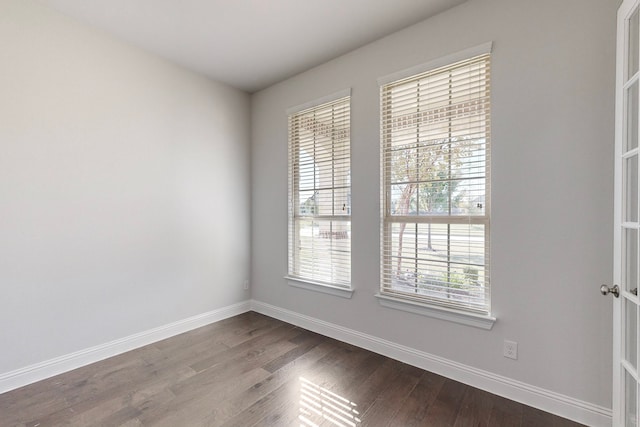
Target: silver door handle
x,y
615,290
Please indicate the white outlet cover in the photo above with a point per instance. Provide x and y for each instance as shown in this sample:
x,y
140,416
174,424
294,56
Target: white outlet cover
x,y
510,349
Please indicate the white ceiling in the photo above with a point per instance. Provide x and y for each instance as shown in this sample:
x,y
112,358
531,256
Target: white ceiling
x,y
250,44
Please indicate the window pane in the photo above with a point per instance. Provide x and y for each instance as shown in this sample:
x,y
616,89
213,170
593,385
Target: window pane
x,y
342,172
631,259
307,172
438,188
631,116
324,250
633,44
325,202
439,261
631,190
307,203
469,158
341,201
631,333
404,199
402,164
631,401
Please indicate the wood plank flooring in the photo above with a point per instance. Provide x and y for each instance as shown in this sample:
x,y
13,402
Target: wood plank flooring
x,y
252,370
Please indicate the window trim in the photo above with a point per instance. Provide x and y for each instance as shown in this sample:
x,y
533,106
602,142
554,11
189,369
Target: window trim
x,y
398,301
325,288
319,101
341,290
436,311
481,49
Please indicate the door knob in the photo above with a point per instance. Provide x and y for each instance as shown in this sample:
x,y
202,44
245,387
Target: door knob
x,y
615,290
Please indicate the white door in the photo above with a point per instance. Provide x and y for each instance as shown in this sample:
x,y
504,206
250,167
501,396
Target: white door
x,y
627,219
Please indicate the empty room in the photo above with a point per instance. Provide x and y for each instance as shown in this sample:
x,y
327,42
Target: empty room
x,y
319,213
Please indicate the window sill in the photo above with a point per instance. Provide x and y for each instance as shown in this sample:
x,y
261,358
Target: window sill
x,y
324,288
469,319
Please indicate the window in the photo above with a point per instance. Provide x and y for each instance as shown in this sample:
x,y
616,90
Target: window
x,y
320,194
435,136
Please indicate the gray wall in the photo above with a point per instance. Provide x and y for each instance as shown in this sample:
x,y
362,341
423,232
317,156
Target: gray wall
x,y
552,190
124,189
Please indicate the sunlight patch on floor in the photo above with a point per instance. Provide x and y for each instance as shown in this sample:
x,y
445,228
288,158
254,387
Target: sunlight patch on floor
x,y
318,403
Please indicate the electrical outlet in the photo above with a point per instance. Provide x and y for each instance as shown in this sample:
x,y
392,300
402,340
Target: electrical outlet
x,y
246,284
510,349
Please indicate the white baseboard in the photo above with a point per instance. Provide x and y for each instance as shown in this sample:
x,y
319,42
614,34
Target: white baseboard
x,y
546,400
49,368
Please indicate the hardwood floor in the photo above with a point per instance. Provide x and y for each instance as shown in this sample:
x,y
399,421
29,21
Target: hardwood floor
x,y
252,370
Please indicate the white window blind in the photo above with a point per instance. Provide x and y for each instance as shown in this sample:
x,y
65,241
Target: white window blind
x,y
320,194
435,140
